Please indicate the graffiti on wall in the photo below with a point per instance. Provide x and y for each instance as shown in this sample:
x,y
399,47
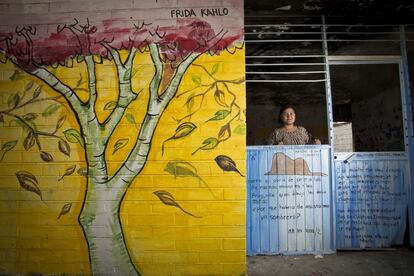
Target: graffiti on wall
x,y
87,120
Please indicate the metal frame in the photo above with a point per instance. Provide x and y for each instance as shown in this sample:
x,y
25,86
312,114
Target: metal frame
x,y
408,129
322,29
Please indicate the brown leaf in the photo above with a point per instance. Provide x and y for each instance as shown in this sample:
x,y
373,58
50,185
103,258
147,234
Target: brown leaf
x,y
220,98
37,92
168,199
29,141
28,182
30,116
70,170
65,209
226,164
224,132
47,157
28,86
60,122
64,147
13,100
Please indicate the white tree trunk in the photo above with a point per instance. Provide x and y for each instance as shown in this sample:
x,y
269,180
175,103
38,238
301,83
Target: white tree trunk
x,y
100,220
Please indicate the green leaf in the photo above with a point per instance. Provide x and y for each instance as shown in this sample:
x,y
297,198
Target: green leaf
x,y
134,71
240,129
182,130
13,100
119,144
130,118
73,136
208,144
7,147
190,102
219,115
184,169
79,82
181,168
196,79
110,105
127,75
83,171
80,58
50,110
215,68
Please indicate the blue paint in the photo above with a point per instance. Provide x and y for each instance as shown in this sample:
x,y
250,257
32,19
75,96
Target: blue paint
x,y
371,200
291,211
289,200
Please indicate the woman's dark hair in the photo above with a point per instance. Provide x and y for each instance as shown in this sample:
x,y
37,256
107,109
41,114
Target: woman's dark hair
x,y
283,108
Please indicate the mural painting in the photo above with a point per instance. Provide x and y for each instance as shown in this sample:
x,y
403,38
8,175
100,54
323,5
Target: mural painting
x,y
108,101
289,201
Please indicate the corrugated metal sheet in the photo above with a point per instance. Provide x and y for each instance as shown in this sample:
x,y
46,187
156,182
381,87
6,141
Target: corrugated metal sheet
x,y
289,200
371,199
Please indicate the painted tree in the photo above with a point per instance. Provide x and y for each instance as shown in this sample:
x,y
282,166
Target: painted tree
x,y
36,50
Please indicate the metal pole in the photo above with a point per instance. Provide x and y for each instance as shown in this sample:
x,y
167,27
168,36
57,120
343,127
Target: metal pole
x,y
408,126
329,110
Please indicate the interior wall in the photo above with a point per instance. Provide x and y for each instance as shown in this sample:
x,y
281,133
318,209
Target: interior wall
x,y
377,123
263,119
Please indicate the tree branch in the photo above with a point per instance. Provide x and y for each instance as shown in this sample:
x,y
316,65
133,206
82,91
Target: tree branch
x,y
176,80
73,100
156,106
90,65
156,80
125,95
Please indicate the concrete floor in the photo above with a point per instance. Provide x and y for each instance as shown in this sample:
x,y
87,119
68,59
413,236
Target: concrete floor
x,y
399,261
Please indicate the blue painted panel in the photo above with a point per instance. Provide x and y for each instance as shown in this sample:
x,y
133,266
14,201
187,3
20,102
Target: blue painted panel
x,y
289,200
371,199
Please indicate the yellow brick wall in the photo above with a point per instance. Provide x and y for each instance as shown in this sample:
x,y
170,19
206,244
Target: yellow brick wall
x,y
161,239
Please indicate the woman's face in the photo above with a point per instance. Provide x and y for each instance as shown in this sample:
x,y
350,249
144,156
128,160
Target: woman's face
x,y
288,116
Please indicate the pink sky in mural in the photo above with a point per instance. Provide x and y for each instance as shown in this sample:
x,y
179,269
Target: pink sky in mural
x,y
43,45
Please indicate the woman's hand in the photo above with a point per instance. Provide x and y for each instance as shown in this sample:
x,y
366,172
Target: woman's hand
x,y
317,141
280,143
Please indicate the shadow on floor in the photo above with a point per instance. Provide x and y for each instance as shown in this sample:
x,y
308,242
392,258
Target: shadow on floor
x,y
398,261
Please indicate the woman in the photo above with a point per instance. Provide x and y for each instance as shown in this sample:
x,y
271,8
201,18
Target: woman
x,y
289,133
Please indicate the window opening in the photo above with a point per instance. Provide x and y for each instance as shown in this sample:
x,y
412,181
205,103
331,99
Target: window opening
x,y
367,109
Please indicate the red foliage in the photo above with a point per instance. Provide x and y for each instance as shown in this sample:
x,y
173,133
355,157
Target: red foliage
x,y
32,46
